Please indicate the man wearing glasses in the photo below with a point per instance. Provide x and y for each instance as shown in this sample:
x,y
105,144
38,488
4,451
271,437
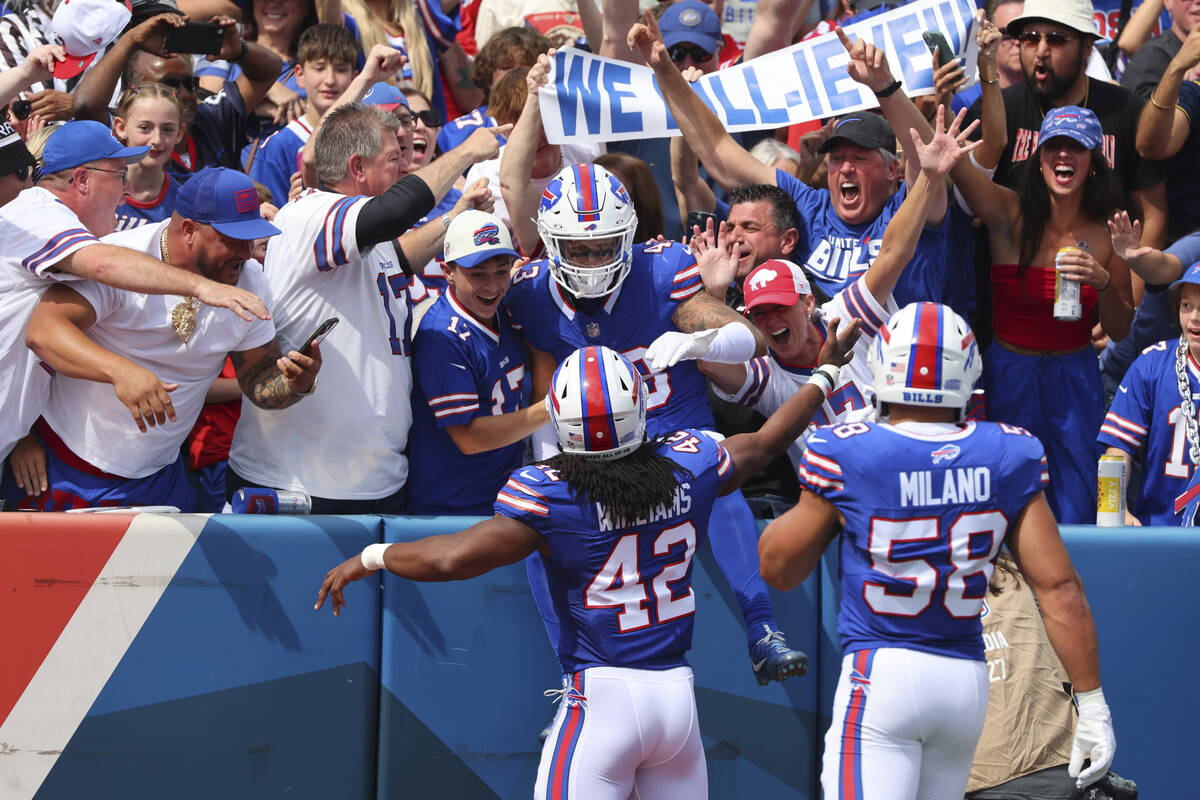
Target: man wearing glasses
x,y
1056,39
49,234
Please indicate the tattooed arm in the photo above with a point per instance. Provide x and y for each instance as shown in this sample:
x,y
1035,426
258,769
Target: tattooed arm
x,y
271,380
703,312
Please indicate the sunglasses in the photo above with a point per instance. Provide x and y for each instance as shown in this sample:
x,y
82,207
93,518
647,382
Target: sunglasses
x,y
430,119
177,82
1053,38
679,52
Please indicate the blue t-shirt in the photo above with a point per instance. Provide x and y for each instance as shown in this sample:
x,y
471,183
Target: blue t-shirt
x,y
621,589
628,320
462,369
921,536
131,213
1145,417
835,253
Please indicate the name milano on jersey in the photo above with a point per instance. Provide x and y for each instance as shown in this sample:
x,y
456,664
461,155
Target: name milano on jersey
x,y
923,533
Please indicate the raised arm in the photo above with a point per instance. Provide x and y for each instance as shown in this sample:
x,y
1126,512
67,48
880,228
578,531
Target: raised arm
x,y
775,25
868,65
95,89
791,545
619,16
37,67
691,192
1163,127
56,335
995,129
751,452
1154,266
480,548
516,163
934,160
727,162
260,67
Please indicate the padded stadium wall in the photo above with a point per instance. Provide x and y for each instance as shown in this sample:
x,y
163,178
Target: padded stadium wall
x,y
150,656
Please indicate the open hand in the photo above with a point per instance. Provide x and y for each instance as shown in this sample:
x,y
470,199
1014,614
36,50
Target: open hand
x,y
1127,238
246,305
945,148
838,348
146,397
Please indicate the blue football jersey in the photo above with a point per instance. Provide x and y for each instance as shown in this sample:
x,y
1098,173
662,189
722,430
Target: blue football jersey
x,y
925,518
462,369
622,589
628,320
1146,413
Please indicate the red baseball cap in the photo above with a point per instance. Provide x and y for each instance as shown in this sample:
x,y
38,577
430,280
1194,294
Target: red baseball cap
x,y
777,282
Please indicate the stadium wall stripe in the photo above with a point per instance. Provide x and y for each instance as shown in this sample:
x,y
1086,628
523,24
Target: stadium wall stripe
x,y
92,643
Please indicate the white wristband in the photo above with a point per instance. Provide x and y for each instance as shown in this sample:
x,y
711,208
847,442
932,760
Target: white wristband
x,y
827,375
1092,697
733,344
372,556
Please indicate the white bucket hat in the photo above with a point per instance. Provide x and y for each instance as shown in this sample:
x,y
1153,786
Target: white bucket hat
x,y
1074,14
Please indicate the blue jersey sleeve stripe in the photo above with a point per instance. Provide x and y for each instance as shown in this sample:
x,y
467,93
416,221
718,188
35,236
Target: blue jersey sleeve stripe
x,y
822,463
1128,425
726,463
811,480
1116,433
522,503
56,245
452,410
443,399
520,487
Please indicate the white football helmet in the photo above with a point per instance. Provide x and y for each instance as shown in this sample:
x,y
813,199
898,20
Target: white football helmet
x,y
598,404
925,355
585,212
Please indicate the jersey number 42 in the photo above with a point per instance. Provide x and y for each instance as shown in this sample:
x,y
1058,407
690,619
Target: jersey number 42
x,y
621,584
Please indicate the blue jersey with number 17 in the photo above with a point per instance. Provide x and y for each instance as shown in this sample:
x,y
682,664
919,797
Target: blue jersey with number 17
x,y
628,320
925,515
622,589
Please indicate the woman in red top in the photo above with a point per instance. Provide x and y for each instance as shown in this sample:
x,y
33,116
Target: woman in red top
x,y
1040,372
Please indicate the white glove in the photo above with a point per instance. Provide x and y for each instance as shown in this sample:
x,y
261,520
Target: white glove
x,y
672,347
1093,737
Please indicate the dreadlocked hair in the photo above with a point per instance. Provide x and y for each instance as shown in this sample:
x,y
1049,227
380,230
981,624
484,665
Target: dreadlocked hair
x,y
632,487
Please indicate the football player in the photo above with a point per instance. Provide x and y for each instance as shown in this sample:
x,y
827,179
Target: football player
x,y
615,518
597,287
919,541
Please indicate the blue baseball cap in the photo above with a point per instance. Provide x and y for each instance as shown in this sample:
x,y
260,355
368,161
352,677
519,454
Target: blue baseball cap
x,y
693,22
1190,275
81,142
384,95
225,199
1075,123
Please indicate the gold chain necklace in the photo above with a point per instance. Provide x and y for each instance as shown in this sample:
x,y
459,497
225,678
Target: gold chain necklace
x,y
183,315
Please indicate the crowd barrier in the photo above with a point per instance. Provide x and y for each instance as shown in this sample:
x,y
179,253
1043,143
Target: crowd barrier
x,y
179,656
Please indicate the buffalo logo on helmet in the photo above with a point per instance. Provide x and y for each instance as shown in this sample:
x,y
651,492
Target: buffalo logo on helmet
x,y
551,195
488,234
618,189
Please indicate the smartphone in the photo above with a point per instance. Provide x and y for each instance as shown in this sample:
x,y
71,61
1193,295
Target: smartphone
x,y
317,336
937,44
699,219
195,37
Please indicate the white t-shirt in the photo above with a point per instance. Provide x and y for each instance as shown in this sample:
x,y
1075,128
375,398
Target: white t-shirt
x,y
37,231
769,383
347,441
87,415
